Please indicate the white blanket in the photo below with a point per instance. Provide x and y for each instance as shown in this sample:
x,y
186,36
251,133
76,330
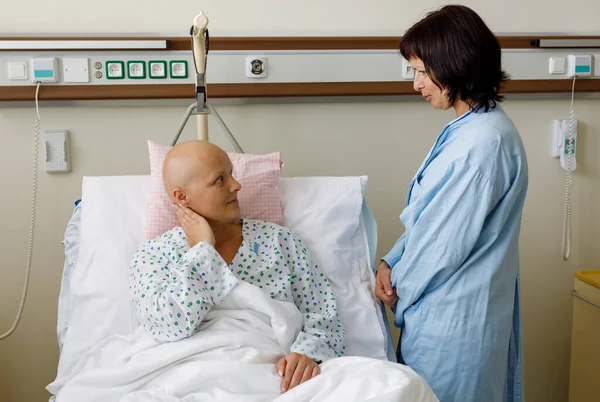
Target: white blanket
x,y
231,358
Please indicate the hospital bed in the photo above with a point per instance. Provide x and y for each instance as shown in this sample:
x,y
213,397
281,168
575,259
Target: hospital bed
x,y
106,355
99,334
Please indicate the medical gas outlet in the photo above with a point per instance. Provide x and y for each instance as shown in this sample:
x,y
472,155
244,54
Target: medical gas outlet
x,y
256,67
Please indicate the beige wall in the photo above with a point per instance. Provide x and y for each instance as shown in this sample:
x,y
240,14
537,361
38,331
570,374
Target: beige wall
x,y
107,141
386,141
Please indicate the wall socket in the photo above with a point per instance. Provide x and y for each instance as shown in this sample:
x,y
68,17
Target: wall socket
x,y
115,70
136,69
179,69
157,69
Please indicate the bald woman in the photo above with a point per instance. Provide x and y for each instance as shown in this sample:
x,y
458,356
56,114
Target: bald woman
x,y
213,249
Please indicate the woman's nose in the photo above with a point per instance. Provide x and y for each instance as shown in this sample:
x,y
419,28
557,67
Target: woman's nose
x,y
418,84
236,186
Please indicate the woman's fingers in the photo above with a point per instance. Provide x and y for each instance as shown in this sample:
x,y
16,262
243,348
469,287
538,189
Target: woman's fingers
x,y
387,285
181,216
298,374
382,294
185,212
384,275
290,368
281,366
307,374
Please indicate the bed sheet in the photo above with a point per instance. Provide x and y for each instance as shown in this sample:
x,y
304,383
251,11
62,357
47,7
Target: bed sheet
x,y
205,366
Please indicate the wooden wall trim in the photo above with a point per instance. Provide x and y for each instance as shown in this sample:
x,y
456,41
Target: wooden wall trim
x,y
298,43
186,91
343,43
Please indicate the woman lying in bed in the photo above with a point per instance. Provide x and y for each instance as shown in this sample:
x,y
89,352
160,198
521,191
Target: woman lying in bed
x,y
177,278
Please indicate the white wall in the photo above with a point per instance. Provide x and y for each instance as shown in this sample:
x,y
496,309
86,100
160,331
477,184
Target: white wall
x,y
111,140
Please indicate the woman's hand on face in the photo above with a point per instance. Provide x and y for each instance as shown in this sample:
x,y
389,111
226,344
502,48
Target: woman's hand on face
x,y
196,228
383,285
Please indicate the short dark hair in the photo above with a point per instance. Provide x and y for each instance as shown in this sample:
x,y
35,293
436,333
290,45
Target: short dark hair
x,y
460,54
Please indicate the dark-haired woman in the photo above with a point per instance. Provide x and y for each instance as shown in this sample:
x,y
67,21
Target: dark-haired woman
x,y
452,279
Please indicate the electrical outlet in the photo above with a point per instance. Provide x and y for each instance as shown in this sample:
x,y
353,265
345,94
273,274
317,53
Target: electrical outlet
x,y
256,67
157,69
136,69
179,69
115,70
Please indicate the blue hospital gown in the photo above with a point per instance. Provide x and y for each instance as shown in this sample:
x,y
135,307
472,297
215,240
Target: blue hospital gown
x,y
173,286
456,267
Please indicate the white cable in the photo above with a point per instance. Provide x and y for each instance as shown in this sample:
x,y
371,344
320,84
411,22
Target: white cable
x,y
566,240
36,144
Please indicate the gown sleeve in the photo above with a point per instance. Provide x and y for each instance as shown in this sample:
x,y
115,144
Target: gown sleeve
x,y
174,286
322,336
395,254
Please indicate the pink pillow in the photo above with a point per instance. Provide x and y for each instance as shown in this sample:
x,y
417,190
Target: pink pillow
x,y
258,197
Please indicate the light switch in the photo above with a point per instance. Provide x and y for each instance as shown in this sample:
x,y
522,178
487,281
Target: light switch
x,y
76,69
17,71
558,65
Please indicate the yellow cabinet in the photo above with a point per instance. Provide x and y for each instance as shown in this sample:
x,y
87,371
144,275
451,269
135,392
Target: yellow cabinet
x,y
585,342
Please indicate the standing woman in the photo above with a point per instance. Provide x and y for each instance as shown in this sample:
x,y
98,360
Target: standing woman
x,y
452,279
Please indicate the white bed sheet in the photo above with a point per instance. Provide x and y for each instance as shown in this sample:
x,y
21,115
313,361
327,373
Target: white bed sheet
x,y
128,195
205,366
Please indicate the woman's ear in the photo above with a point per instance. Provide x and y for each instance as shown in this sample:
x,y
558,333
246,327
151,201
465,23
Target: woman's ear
x,y
180,197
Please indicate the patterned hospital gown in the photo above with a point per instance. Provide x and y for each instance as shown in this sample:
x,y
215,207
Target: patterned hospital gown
x,y
173,286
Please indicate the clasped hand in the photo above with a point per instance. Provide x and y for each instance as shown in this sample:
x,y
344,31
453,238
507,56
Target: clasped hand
x,y
383,285
294,369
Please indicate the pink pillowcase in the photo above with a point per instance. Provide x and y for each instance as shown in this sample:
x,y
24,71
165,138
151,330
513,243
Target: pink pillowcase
x,y
259,196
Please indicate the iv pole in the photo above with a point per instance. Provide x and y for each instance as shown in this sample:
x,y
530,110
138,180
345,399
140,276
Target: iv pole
x,y
201,108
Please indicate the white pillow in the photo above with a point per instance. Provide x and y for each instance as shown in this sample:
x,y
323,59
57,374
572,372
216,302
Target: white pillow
x,y
112,227
333,229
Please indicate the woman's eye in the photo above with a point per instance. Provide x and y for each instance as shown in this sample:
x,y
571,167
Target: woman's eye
x,y
220,179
